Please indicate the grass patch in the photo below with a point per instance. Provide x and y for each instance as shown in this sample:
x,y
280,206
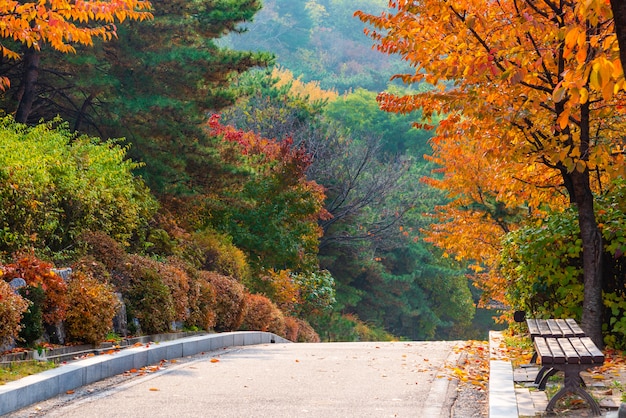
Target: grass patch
x,y
16,370
520,349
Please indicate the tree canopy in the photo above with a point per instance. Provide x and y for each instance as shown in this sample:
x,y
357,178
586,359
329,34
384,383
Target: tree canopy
x,y
532,100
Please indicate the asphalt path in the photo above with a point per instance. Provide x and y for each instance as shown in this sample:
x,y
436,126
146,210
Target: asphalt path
x,y
382,379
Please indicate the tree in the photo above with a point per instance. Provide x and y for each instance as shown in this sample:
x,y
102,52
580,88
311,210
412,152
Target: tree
x,y
366,160
533,87
271,209
61,24
54,185
153,86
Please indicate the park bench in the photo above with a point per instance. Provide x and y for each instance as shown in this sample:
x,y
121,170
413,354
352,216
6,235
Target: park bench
x,y
562,346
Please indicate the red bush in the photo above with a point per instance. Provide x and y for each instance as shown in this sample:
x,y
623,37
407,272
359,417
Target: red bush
x,y
12,306
38,273
263,315
93,306
229,300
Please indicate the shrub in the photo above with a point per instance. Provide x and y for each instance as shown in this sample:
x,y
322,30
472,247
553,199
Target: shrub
x,y
229,300
177,281
93,306
302,294
316,292
104,249
306,333
348,327
278,286
147,297
55,184
201,301
38,273
93,268
211,251
262,314
12,306
291,328
32,319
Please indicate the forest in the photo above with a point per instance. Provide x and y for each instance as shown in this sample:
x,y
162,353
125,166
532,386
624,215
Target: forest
x,y
309,168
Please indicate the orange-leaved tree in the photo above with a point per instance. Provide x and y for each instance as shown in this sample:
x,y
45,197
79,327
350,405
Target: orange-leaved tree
x,y
60,24
531,91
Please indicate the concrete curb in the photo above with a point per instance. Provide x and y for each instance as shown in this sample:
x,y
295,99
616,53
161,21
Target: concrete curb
x,y
438,403
502,397
36,388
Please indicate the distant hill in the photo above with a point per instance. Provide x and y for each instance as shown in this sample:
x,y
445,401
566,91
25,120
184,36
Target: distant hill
x,y
321,40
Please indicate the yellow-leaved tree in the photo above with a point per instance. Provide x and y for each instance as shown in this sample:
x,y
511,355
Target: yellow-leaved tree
x,y
61,24
531,91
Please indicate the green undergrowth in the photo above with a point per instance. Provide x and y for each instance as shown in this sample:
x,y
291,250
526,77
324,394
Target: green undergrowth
x,y
16,370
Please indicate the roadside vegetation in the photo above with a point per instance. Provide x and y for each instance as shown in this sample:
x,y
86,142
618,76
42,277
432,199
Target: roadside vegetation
x,y
242,165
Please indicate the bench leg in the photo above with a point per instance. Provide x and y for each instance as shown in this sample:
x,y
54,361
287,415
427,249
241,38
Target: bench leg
x,y
541,372
573,383
544,380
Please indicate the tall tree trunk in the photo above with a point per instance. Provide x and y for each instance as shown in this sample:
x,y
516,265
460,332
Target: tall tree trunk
x,y
619,17
29,81
591,238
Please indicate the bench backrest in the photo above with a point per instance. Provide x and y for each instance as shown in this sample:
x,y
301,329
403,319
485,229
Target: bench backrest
x,y
553,328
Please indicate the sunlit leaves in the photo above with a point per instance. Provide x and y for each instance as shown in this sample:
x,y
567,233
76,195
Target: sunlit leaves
x,y
531,92
63,24
54,184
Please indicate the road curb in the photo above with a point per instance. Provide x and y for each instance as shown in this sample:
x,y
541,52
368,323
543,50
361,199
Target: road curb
x,y
39,387
502,397
441,385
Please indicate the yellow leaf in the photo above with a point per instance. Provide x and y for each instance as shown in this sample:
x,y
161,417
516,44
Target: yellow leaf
x,y
584,95
571,38
595,79
559,94
563,120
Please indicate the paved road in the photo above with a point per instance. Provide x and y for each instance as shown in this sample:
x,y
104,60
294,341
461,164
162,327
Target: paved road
x,y
282,380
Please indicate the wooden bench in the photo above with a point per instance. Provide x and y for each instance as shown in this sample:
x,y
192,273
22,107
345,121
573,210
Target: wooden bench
x,y
569,355
552,328
562,346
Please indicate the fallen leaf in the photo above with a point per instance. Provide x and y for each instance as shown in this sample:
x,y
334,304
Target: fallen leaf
x,y
69,392
214,360
154,389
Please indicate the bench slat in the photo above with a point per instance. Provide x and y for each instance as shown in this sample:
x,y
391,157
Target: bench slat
x,y
585,356
596,355
544,331
533,329
571,354
565,328
555,330
557,353
544,353
549,351
575,327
